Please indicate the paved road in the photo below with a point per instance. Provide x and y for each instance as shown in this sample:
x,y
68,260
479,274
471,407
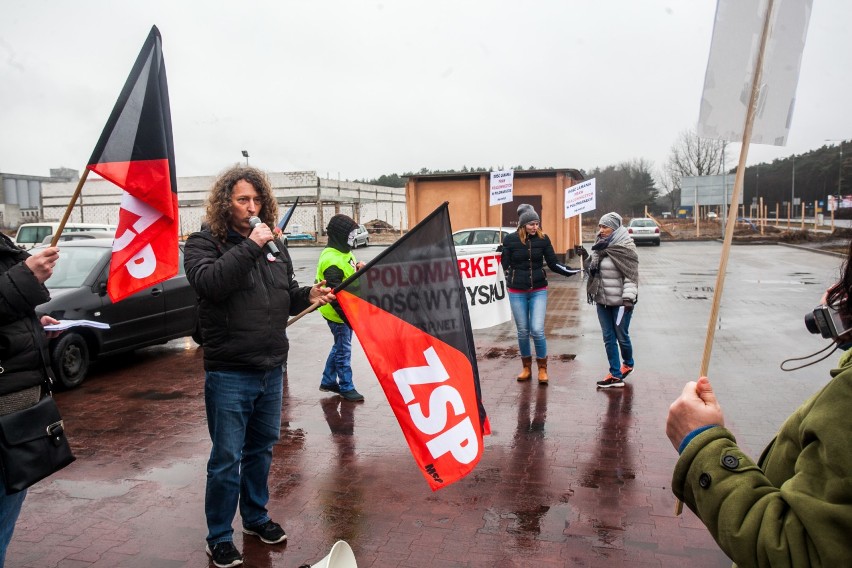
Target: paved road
x,y
570,475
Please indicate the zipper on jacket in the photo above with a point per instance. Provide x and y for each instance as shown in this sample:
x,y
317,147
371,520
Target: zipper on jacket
x,y
529,246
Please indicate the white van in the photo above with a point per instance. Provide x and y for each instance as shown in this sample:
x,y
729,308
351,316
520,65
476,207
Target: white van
x,y
31,234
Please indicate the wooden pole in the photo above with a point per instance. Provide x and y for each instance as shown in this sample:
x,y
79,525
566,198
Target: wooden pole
x,y
70,207
735,198
803,216
302,314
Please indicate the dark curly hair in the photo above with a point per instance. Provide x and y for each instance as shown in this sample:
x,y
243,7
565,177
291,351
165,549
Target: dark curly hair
x,y
218,214
839,293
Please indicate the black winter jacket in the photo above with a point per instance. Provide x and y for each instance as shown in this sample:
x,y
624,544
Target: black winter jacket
x,y
244,301
20,293
523,264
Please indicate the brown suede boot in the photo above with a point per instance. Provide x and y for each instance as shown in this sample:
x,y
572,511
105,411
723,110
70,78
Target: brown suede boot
x,y
542,370
527,372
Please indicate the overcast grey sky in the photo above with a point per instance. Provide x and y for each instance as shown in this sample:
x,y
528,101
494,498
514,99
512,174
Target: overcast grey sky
x,y
359,89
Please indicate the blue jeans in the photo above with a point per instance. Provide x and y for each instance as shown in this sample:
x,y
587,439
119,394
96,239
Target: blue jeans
x,y
244,420
10,508
528,309
616,337
338,366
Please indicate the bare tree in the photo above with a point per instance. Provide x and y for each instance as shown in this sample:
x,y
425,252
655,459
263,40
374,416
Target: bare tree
x,y
691,155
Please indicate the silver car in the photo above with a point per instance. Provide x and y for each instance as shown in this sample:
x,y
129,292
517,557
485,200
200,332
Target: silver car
x,y
644,231
362,237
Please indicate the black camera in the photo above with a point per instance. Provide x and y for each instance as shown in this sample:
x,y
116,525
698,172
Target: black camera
x,y
827,322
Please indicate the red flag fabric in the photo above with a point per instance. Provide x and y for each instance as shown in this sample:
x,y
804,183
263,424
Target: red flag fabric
x,y
136,152
408,309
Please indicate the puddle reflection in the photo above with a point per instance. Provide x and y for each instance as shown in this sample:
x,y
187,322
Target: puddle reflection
x,y
528,460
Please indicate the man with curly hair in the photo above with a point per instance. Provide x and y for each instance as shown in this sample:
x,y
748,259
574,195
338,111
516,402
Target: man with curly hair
x,y
245,298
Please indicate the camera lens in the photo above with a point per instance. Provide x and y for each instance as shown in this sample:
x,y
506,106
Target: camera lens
x,y
810,323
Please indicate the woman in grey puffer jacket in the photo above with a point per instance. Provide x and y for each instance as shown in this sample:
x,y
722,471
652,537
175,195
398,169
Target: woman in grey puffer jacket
x,y
614,286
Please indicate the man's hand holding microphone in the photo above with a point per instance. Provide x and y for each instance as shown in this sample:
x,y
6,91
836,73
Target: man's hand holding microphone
x,y
262,235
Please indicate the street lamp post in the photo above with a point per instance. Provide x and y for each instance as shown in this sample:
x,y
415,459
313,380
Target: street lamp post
x,y
840,168
246,156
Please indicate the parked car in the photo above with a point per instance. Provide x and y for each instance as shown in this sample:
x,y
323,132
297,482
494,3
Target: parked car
x,y
157,314
362,237
480,239
712,215
32,234
294,237
644,231
77,235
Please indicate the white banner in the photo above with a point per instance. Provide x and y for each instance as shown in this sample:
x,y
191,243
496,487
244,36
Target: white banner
x,y
485,289
730,69
502,183
580,198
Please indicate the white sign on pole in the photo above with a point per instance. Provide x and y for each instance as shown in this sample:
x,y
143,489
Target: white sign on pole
x,y
733,50
485,289
502,183
580,198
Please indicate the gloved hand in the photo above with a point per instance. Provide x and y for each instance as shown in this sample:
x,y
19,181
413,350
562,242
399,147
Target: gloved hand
x,y
582,252
628,305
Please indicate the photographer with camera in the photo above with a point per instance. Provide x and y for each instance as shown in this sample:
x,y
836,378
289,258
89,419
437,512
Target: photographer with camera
x,y
794,507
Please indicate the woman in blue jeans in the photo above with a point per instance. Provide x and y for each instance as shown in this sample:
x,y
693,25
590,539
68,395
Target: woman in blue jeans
x,y
524,255
614,287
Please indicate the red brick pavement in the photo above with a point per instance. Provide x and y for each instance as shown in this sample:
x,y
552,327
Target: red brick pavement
x,y
571,476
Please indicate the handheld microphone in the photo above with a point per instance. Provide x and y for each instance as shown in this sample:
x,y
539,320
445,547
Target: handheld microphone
x,y
270,246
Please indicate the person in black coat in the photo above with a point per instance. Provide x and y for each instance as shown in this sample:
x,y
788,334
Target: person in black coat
x,y
524,254
245,297
23,356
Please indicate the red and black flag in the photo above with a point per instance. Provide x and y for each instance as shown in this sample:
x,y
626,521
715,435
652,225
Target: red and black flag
x,y
408,309
136,152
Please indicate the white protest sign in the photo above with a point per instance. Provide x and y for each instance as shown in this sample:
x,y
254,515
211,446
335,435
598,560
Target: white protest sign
x,y
485,289
580,198
730,69
502,183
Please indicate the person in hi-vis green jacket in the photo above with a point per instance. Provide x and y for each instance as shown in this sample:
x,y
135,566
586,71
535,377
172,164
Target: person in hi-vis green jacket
x,y
792,508
336,264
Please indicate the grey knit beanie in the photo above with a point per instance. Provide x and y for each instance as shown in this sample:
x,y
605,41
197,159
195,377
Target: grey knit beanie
x,y
526,214
611,220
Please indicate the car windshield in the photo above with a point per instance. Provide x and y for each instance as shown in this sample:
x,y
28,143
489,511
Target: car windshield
x,y
642,223
74,265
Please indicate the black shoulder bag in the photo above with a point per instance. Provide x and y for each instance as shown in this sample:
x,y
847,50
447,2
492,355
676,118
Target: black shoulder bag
x,y
32,440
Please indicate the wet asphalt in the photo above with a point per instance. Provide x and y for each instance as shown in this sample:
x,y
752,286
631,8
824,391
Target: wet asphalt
x,y
571,476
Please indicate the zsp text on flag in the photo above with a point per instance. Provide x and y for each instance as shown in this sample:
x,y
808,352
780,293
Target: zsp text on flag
x,y
408,309
136,152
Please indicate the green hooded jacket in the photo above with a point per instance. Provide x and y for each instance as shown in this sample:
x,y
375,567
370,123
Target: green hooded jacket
x,y
794,508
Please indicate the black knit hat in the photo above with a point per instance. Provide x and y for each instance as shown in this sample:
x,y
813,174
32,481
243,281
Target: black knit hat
x,y
339,227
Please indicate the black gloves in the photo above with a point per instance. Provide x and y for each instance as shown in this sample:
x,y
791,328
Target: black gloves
x,y
581,251
628,305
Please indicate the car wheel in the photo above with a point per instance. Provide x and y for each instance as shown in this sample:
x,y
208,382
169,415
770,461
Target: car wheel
x,y
657,243
70,360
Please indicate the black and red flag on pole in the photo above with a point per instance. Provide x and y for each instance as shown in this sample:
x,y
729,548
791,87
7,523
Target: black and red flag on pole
x,y
407,307
136,152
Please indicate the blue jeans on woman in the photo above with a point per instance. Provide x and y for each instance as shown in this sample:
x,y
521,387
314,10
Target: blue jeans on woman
x,y
10,508
338,366
244,420
528,309
616,337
